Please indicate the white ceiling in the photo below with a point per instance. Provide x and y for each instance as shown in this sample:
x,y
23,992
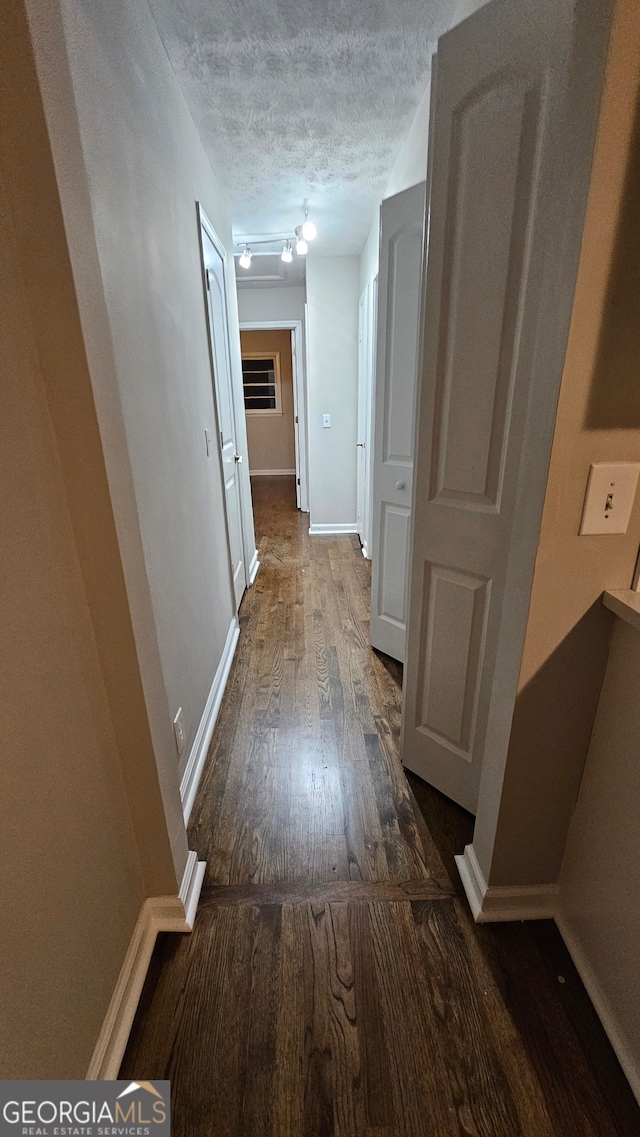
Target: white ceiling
x,y
302,99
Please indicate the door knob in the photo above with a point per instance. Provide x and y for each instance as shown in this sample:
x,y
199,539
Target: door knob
x,y
238,457
400,485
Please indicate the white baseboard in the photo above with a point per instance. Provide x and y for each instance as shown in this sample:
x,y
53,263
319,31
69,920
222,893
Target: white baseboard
x,y
158,914
490,903
345,527
268,473
365,551
253,568
601,1004
190,890
198,756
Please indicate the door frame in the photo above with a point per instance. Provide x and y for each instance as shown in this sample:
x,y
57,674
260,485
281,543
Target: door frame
x,y
366,384
299,398
250,554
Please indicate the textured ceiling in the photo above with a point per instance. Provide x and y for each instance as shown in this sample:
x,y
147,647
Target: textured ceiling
x,y
302,99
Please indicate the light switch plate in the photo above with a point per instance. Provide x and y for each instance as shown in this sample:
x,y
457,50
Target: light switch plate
x,y
178,730
609,498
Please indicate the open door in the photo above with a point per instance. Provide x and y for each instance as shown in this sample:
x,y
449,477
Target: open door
x,y
365,397
514,112
398,326
218,328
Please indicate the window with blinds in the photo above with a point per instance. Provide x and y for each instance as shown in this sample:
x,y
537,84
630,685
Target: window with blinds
x,y
261,383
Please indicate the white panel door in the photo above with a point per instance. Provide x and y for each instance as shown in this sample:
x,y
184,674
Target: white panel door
x,y
398,319
508,179
223,388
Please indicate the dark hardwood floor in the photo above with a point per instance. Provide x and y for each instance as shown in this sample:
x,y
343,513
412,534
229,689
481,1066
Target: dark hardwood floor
x,y
334,983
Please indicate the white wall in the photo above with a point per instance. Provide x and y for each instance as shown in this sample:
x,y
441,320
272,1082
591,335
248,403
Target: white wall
x,y
145,168
410,166
466,8
262,304
370,255
332,300
598,909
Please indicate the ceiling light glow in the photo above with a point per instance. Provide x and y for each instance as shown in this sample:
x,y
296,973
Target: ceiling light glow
x,y
245,259
309,231
287,252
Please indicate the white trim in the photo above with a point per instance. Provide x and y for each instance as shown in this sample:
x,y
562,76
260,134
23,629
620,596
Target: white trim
x,y
343,527
158,914
601,1004
268,473
277,383
490,903
191,888
299,397
365,551
198,756
253,567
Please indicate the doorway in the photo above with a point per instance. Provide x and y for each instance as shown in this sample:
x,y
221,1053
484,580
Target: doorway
x,y
275,402
267,380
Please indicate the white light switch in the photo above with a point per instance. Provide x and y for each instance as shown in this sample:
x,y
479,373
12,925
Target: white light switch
x,y
326,420
178,730
609,497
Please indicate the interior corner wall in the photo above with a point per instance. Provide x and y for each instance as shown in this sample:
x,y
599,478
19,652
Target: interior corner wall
x,y
131,168
598,419
332,331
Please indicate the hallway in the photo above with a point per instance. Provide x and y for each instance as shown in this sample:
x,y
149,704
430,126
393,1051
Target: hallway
x,y
334,982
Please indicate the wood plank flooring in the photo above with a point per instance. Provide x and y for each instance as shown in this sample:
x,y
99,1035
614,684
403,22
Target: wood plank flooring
x,y
334,983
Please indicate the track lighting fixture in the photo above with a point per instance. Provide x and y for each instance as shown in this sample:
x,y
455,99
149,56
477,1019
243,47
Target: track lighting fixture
x,y
308,229
303,233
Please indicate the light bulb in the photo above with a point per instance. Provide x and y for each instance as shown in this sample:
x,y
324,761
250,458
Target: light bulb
x,y
245,259
308,230
302,247
287,252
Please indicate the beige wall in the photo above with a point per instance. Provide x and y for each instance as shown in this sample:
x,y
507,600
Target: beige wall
x,y
598,419
83,837
271,437
598,910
